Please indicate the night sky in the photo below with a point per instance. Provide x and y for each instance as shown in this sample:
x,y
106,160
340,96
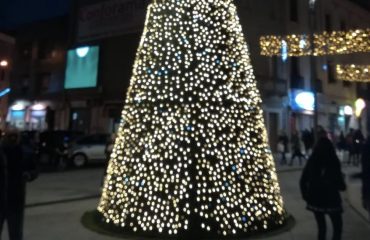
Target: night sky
x,y
18,12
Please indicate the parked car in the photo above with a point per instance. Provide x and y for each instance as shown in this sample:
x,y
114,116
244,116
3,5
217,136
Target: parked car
x,y
53,146
88,149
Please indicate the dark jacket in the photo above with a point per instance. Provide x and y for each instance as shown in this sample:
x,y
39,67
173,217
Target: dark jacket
x,y
322,180
3,183
366,172
20,167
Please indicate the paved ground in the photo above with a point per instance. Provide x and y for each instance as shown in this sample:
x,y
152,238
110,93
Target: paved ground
x,y
49,218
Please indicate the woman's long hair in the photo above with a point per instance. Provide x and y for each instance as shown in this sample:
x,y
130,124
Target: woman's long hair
x,y
323,155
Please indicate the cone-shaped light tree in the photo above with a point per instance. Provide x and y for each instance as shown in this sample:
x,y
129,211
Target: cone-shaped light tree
x,y
191,152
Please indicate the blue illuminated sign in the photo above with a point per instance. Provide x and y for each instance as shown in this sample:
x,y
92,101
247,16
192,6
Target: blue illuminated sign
x,y
302,100
82,67
4,92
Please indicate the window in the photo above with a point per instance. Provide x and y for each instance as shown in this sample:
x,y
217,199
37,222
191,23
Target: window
x,y
25,51
25,84
45,50
296,79
331,75
2,74
273,69
294,10
328,24
43,80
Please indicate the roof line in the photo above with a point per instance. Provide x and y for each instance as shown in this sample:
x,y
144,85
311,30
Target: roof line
x,y
6,38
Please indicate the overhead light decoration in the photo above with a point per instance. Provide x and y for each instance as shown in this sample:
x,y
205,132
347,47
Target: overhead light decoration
x,y
82,51
284,50
353,73
360,106
326,43
192,142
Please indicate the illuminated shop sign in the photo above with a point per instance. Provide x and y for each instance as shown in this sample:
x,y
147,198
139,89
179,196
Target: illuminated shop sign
x,y
301,100
82,67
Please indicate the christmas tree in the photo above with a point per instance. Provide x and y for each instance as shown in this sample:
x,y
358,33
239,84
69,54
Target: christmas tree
x,y
191,153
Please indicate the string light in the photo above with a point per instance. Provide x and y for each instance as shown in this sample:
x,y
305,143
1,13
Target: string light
x,y
353,73
192,142
337,42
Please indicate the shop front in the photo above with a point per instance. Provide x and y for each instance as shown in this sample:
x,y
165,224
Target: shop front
x,y
30,116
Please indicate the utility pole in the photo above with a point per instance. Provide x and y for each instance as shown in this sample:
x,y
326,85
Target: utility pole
x,y
312,29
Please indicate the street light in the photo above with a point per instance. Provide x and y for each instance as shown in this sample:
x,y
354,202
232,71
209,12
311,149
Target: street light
x,y
312,3
4,63
359,107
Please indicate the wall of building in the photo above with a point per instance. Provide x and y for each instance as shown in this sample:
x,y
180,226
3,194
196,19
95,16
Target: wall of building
x,y
98,109
6,54
275,75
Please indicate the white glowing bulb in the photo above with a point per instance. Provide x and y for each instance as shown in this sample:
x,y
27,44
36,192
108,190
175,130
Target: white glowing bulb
x,y
18,107
4,63
38,107
348,110
82,51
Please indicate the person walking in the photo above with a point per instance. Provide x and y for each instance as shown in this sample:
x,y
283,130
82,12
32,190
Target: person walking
x,y
283,147
320,184
358,141
307,141
296,149
17,167
365,162
350,146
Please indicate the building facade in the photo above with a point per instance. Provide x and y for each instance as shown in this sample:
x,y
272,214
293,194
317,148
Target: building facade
x,y
280,79
55,98
6,55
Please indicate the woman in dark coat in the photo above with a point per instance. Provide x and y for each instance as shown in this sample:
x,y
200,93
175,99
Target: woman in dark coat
x,y
366,176
17,167
321,183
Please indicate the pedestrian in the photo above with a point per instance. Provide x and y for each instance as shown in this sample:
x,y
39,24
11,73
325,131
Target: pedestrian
x,y
365,162
283,147
296,149
17,168
358,141
321,183
341,142
350,146
307,141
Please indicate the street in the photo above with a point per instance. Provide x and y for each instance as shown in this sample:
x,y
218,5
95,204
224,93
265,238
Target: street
x,y
56,202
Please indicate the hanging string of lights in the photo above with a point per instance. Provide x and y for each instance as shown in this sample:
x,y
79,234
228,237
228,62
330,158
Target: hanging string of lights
x,y
326,43
353,73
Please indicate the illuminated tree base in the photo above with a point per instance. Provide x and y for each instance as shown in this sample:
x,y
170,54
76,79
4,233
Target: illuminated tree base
x,y
94,221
